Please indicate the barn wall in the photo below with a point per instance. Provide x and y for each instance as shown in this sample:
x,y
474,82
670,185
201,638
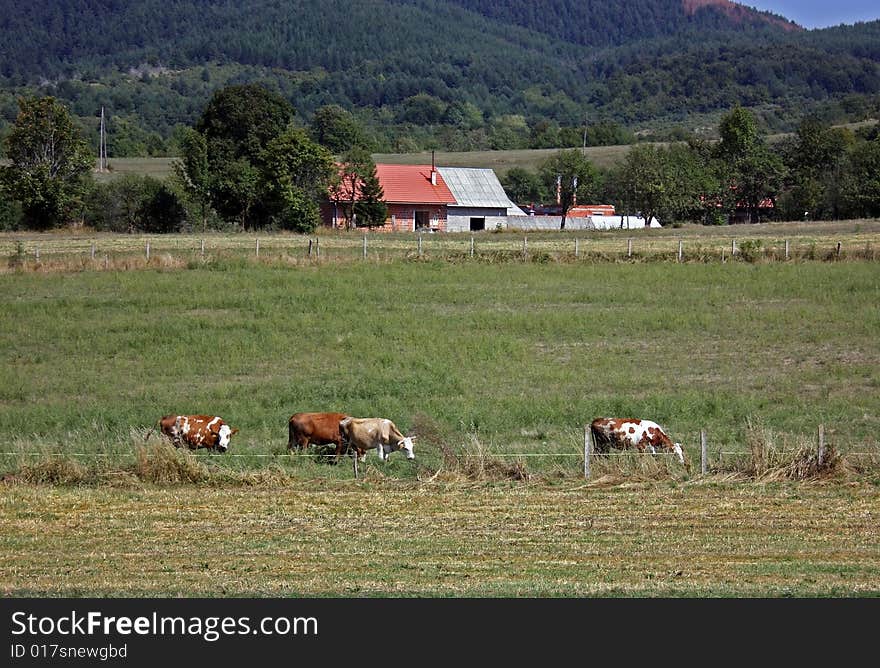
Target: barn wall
x,y
460,218
401,217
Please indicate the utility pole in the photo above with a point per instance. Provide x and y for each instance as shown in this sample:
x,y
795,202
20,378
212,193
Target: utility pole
x,y
102,147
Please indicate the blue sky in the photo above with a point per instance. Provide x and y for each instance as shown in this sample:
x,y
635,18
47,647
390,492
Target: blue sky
x,y
820,13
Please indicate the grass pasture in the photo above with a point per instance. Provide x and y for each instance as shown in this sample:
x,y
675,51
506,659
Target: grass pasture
x,y
492,361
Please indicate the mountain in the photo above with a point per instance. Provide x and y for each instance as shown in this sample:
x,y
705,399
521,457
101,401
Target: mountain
x,y
450,73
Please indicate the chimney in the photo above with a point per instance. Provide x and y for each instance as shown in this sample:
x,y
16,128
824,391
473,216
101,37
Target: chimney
x,y
433,171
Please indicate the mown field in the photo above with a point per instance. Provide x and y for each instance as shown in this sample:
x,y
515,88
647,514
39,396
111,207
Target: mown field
x,y
495,365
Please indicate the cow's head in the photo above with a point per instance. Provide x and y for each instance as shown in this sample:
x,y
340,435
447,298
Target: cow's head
x,y
224,436
406,444
676,448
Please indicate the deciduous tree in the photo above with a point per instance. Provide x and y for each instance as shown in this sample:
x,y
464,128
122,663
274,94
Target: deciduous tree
x,y
49,163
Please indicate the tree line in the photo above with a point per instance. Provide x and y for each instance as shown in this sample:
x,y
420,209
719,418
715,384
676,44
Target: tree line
x,y
247,165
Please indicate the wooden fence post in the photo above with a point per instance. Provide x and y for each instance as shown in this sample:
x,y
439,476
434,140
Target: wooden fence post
x,y
787,249
821,447
257,248
704,461
203,248
838,250
365,246
317,247
732,247
680,250
355,463
92,253
525,247
37,254
310,248
472,245
148,250
420,244
629,247
577,248
588,449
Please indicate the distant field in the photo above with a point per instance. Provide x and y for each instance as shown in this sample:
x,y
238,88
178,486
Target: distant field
x,y
66,251
500,161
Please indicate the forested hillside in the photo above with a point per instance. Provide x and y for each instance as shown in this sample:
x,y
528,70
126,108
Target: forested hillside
x,y
452,74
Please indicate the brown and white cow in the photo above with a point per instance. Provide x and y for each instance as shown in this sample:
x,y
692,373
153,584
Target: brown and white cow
x,y
381,434
643,435
305,429
197,431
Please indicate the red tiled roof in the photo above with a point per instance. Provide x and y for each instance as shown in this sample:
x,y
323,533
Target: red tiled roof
x,y
411,184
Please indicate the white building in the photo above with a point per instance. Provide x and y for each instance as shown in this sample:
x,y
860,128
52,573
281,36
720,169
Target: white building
x,y
481,203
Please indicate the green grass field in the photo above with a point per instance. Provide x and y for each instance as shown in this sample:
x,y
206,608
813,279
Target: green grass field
x,y
498,361
500,161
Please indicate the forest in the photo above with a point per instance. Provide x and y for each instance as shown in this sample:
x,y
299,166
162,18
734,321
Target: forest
x,y
451,75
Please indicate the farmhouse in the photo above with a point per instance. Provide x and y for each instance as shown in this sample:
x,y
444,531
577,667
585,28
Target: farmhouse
x,y
417,197
436,199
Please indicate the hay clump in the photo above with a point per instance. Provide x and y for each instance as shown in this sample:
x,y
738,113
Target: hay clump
x,y
163,463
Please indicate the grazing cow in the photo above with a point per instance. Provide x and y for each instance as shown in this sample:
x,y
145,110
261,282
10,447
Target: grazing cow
x,y
641,434
197,431
314,429
364,434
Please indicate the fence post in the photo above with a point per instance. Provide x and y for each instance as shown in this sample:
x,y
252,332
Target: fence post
x,y
838,250
37,253
148,250
680,250
203,248
525,247
472,245
420,244
92,253
355,463
787,249
821,448
257,248
732,248
317,247
365,246
629,247
588,449
310,248
577,248
704,462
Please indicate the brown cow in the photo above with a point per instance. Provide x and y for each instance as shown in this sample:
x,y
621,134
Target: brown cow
x,y
306,429
632,433
197,431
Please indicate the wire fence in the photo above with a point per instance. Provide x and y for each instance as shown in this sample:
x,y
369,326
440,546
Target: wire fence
x,y
159,250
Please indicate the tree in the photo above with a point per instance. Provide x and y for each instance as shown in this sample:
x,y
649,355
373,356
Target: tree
x,y
193,171
572,176
522,185
49,161
751,171
297,174
357,192
238,123
336,129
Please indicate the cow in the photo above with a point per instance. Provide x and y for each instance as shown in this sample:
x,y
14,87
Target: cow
x,y
632,433
306,429
197,431
362,434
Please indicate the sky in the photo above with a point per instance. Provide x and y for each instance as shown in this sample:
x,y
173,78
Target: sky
x,y
820,13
